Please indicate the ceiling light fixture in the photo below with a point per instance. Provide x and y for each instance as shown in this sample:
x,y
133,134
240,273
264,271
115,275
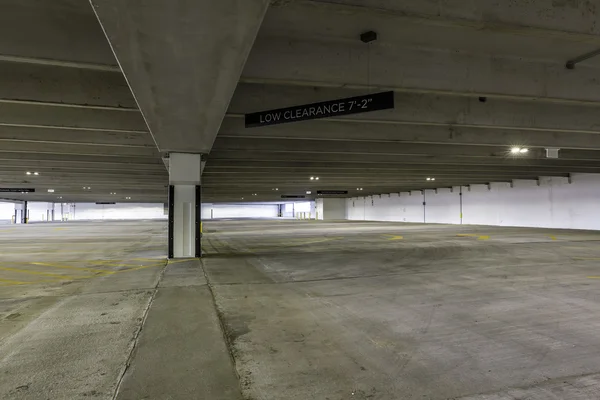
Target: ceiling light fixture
x,y
522,151
36,173
28,173
50,190
312,178
317,178
308,192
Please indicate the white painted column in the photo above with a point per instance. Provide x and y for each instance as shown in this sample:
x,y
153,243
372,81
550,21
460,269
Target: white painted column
x,y
334,209
184,175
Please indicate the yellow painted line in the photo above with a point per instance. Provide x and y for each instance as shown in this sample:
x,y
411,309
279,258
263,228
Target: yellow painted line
x,y
60,266
479,237
294,244
396,237
593,277
586,258
552,237
24,271
11,282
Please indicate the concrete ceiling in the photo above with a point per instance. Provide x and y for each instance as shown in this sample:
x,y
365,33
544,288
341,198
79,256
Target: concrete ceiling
x,y
471,80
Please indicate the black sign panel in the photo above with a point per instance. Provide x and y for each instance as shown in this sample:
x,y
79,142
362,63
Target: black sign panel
x,y
104,202
326,109
16,190
292,196
332,192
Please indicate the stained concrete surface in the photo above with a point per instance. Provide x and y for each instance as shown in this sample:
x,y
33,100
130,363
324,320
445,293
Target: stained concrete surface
x,y
347,310
72,300
181,353
361,310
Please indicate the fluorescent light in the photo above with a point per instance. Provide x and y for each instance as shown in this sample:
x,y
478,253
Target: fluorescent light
x,y
433,179
515,150
28,173
523,150
36,173
50,190
317,178
312,178
428,179
308,192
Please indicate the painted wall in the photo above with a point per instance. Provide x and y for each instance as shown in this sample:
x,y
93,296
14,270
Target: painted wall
x,y
331,209
550,202
7,211
124,211
242,211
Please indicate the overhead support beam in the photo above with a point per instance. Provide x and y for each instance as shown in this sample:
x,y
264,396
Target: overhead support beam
x,y
57,159
322,63
66,105
59,63
182,60
49,115
74,136
335,130
77,149
427,109
386,158
63,85
538,19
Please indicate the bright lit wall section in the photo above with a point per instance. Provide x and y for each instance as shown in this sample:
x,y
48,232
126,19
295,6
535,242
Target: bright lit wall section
x,y
548,202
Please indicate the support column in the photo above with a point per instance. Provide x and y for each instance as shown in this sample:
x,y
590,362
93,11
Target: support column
x,y
185,215
25,214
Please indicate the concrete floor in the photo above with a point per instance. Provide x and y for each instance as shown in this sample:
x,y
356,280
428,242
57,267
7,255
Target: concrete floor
x,y
311,310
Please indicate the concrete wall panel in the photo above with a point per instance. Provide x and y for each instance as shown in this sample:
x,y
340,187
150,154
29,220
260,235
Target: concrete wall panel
x,y
550,202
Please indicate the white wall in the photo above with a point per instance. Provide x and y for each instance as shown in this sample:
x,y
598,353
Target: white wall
x,y
443,205
7,211
550,202
247,210
123,211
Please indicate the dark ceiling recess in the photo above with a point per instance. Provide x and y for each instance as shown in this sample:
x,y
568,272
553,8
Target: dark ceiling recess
x,y
368,37
483,99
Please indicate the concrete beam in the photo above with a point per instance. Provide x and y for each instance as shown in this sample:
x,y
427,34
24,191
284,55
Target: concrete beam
x,y
78,149
53,30
32,114
182,61
575,20
224,156
322,63
427,110
56,135
353,148
43,83
217,166
50,160
450,135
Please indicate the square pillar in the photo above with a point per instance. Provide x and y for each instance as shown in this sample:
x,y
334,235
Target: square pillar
x,y
185,224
